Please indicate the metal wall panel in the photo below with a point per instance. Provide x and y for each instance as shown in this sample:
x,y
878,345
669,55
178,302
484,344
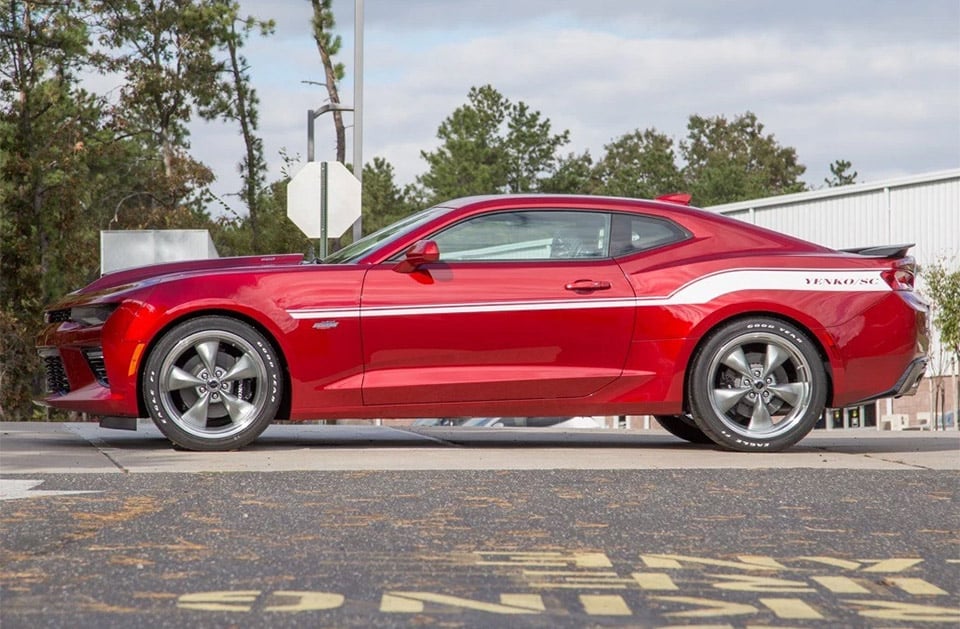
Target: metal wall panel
x,y
924,210
833,222
928,215
124,249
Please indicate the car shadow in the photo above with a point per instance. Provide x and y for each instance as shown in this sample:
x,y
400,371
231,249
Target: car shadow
x,y
469,437
299,436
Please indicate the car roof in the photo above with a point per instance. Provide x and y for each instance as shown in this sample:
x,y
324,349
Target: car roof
x,y
542,197
610,203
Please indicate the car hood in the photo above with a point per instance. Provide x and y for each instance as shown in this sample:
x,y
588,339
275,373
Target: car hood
x,y
154,271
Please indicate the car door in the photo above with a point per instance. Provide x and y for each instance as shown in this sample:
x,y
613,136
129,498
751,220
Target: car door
x,y
522,304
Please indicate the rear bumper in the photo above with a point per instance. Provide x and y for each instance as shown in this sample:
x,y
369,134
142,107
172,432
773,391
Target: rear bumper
x,y
882,352
910,380
908,383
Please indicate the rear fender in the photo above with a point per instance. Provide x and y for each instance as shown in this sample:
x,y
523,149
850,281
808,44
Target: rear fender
x,y
824,342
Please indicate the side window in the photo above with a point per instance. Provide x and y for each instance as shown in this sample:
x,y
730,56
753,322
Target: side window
x,y
633,233
527,235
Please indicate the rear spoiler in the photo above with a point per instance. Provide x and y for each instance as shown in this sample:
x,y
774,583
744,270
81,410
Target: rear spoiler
x,y
890,252
680,198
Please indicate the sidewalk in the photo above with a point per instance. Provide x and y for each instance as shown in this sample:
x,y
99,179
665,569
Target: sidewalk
x,y
77,448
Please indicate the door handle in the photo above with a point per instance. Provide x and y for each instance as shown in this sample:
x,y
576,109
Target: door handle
x,y
587,285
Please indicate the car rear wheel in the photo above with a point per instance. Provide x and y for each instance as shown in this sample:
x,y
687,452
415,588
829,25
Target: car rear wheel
x,y
758,384
684,427
212,383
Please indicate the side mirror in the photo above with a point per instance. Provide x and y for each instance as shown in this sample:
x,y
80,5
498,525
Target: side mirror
x,y
420,253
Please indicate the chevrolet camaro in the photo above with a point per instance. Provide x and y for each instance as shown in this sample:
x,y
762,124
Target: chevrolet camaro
x,y
518,305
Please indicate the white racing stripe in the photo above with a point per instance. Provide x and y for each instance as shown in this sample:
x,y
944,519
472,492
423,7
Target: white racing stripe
x,y
699,291
709,287
324,313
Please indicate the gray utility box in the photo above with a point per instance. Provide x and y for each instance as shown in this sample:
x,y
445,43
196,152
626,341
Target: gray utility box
x,y
124,249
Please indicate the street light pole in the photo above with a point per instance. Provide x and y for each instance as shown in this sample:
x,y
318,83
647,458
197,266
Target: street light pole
x,y
358,105
313,114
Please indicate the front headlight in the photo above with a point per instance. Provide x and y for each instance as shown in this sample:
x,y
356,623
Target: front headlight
x,y
94,314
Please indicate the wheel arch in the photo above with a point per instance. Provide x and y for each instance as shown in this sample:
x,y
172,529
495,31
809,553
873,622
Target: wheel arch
x,y
710,327
284,410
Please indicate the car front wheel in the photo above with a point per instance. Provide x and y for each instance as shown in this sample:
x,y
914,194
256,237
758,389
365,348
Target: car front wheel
x,y
757,384
212,383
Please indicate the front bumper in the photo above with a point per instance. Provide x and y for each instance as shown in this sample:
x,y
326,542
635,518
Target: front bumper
x,y
90,369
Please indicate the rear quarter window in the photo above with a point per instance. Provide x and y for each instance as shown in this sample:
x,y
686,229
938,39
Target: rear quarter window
x,y
635,233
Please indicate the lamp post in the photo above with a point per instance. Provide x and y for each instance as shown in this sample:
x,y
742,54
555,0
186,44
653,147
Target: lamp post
x,y
313,114
358,104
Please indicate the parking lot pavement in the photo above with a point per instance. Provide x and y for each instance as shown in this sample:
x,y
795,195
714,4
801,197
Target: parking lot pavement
x,y
353,526
33,447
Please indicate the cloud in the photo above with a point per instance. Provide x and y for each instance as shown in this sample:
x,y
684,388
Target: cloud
x,y
877,83
812,20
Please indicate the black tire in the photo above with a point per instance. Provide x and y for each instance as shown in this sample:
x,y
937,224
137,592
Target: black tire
x,y
684,427
757,384
212,383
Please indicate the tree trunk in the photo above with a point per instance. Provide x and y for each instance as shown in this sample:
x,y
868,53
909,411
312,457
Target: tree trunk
x,y
956,390
331,84
250,188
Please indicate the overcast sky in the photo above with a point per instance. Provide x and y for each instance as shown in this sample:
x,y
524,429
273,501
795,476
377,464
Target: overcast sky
x,y
876,82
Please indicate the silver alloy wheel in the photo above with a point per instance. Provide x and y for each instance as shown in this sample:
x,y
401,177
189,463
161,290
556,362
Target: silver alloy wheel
x,y
761,385
213,384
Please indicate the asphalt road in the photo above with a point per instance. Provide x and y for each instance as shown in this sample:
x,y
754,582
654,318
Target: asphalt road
x,y
379,527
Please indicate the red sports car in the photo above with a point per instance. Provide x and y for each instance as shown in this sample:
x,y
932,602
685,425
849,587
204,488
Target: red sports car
x,y
501,305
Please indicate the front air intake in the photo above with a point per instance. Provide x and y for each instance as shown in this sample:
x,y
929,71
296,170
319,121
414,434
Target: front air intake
x,y
57,382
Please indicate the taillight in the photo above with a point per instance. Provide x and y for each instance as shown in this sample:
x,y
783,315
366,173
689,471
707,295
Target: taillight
x,y
901,278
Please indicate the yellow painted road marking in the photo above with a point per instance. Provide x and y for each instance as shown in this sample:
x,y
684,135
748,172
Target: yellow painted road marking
x,y
580,580
223,601
907,612
750,583
412,602
390,604
891,565
761,560
306,601
841,585
833,561
791,608
654,581
660,561
526,601
605,605
551,559
915,586
747,562
708,608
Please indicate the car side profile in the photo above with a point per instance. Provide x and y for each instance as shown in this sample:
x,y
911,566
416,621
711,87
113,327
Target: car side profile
x,y
511,305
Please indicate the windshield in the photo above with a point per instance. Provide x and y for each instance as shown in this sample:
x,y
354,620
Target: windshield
x,y
354,251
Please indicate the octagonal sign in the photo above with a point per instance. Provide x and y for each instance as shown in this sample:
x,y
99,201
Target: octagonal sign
x,y
323,199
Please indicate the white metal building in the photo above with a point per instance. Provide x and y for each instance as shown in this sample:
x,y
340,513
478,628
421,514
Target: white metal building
x,y
921,209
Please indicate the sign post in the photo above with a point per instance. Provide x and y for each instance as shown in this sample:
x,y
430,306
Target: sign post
x,y
323,200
